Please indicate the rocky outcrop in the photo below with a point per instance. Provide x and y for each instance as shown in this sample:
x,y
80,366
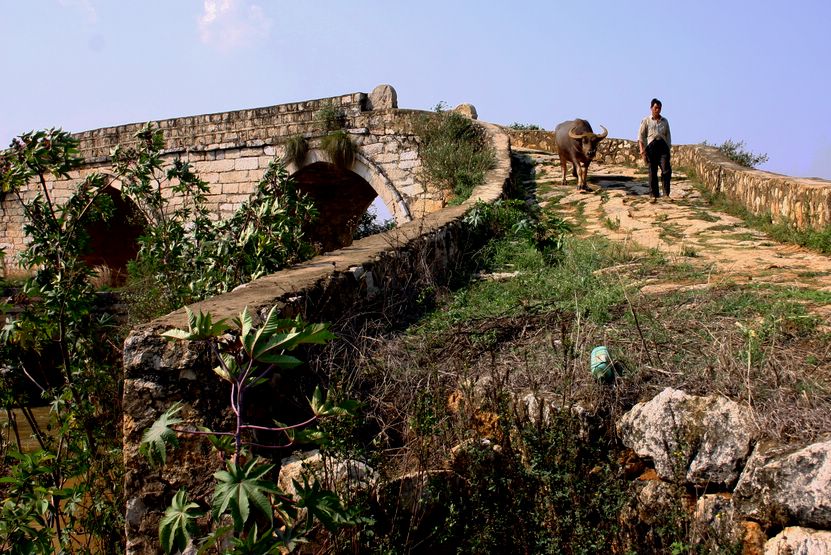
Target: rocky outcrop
x,y
799,541
467,110
786,486
702,441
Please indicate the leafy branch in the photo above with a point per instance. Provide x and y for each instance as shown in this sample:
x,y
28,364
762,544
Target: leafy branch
x,y
247,355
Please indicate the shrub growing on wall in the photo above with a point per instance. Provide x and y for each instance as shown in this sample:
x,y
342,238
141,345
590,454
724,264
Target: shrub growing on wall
x,y
296,150
330,118
340,148
736,152
454,152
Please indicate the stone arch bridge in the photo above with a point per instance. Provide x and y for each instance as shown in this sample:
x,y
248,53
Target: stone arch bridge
x,y
232,150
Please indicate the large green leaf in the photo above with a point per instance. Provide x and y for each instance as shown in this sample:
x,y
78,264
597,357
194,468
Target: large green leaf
x,y
155,439
229,369
325,406
245,323
322,504
239,487
280,360
178,523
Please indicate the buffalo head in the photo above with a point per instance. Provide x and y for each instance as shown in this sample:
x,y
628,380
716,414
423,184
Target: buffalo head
x,y
587,140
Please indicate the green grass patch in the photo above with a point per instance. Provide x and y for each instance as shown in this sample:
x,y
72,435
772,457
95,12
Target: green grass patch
x,y
722,227
689,251
569,284
698,214
611,224
670,232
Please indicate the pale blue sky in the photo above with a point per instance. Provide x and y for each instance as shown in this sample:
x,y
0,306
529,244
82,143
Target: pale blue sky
x,y
751,70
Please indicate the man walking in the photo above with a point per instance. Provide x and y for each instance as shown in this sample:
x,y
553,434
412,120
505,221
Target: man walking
x,y
655,141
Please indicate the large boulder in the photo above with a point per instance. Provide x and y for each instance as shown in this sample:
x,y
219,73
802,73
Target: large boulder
x,y
799,541
703,441
344,476
784,487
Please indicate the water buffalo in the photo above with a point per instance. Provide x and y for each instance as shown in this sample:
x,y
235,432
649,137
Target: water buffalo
x,y
577,143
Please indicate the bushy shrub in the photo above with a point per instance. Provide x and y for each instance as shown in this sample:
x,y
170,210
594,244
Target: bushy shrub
x,y
525,127
736,152
63,495
265,519
455,152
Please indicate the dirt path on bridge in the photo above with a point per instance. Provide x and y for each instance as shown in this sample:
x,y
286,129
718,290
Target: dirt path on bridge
x,y
683,227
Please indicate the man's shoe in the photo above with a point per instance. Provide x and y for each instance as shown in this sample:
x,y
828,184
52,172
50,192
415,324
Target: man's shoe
x,y
653,200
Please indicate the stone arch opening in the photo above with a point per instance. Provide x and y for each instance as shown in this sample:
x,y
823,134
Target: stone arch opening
x,y
114,242
341,197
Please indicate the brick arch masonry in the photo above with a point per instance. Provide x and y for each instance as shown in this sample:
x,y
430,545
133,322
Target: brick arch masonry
x,y
341,197
114,242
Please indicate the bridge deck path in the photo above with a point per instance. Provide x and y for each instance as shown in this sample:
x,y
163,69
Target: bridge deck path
x,y
685,228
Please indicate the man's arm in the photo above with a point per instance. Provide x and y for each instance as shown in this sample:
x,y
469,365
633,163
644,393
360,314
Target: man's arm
x,y
642,139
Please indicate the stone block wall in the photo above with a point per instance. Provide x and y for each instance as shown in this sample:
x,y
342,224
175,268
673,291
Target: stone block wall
x,y
338,286
804,203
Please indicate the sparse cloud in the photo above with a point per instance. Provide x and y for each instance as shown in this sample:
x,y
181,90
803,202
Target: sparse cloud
x,y
231,24
84,6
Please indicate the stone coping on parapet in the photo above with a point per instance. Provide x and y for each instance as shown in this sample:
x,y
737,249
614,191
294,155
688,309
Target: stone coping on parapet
x,y
226,129
223,129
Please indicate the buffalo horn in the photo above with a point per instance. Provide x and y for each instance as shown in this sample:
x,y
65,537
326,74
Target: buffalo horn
x,y
574,135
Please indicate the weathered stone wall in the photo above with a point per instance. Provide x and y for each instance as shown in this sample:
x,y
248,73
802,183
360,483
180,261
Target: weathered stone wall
x,y
344,284
801,202
609,150
232,150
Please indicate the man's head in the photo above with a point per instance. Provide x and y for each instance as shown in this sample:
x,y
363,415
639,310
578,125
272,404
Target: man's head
x,y
655,105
